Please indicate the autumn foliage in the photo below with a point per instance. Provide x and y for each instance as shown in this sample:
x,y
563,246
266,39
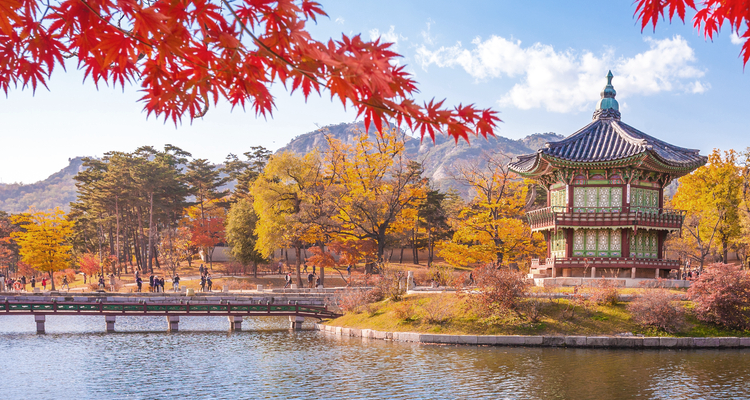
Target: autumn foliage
x,y
187,55
499,290
658,308
710,15
722,296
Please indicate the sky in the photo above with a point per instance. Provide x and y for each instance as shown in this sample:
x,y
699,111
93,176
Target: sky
x,y
541,64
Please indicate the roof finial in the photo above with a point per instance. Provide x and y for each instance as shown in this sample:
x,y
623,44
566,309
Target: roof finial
x,y
608,107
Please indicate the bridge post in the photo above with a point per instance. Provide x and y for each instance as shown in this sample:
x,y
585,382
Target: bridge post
x,y
173,322
39,319
295,322
410,280
235,322
110,320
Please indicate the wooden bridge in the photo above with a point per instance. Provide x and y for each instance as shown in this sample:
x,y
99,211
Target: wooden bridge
x,y
173,309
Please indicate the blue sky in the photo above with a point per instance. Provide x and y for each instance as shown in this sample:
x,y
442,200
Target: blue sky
x,y
540,63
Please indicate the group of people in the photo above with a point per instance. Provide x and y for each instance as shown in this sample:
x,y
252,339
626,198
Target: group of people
x,y
19,284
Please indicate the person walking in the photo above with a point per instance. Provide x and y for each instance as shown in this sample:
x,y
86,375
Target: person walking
x,y
313,269
65,283
139,283
151,283
305,270
33,283
102,286
203,283
310,280
317,282
349,270
209,282
176,283
23,282
287,280
112,282
44,284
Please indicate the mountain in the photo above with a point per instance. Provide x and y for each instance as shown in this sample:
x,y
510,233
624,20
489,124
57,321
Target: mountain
x,y
56,191
59,189
437,157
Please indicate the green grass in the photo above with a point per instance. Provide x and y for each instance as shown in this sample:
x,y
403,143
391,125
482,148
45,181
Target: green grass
x,y
420,313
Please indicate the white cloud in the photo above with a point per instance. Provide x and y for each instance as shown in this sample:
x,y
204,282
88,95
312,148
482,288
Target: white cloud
x,y
736,39
391,36
566,81
426,35
339,20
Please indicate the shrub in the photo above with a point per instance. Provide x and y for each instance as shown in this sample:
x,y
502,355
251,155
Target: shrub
x,y
355,301
236,284
658,308
437,309
500,290
404,311
233,268
722,296
390,284
604,292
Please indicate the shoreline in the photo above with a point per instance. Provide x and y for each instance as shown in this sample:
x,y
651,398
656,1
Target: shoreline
x,y
600,342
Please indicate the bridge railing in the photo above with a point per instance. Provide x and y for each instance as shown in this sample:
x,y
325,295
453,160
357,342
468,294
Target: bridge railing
x,y
11,306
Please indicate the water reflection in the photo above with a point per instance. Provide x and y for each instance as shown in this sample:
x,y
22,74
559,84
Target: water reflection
x,y
76,359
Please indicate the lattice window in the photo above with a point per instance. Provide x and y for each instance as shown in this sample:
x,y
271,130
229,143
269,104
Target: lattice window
x,y
603,248
591,197
615,248
616,199
579,198
604,202
591,242
578,239
558,244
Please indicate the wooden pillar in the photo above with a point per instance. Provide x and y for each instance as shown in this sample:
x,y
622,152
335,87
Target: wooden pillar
x,y
593,272
632,273
660,236
569,243
656,274
570,197
626,242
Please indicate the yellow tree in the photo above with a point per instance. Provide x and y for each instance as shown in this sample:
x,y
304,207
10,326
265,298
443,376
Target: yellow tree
x,y
375,184
290,205
711,196
43,241
494,219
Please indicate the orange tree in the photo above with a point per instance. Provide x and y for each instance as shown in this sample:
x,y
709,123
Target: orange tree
x,y
207,229
43,240
186,55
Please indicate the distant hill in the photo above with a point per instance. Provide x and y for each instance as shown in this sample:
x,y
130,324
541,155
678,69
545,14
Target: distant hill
x,y
59,189
437,157
56,191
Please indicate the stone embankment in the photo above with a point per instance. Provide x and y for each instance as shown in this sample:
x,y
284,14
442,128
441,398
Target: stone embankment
x,y
626,342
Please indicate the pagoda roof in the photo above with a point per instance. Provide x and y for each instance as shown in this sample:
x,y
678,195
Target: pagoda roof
x,y
609,142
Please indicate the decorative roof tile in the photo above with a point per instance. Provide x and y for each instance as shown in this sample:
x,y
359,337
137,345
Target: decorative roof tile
x,y
606,139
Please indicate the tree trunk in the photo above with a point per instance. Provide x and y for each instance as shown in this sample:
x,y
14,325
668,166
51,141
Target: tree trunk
x,y
401,258
52,278
298,253
255,270
117,233
323,276
150,231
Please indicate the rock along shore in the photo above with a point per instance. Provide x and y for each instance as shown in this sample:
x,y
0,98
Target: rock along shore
x,y
623,342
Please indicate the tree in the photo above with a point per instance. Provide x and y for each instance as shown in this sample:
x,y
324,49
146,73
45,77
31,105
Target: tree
x,y
711,197
8,248
288,204
207,230
375,184
240,234
434,219
188,55
89,264
494,218
244,172
710,16
43,241
722,296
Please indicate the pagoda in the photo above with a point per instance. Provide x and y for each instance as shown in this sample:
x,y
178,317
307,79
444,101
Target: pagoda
x,y
605,198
